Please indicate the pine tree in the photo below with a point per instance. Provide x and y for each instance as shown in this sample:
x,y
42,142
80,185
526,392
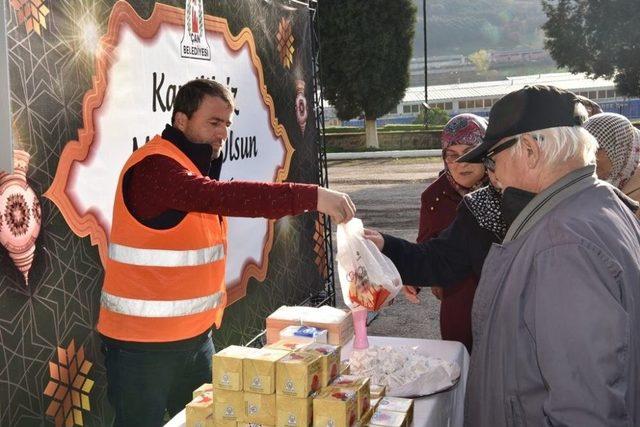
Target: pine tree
x,y
365,48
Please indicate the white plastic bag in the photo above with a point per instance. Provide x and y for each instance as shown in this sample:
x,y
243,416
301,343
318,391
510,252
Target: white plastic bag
x,y
367,277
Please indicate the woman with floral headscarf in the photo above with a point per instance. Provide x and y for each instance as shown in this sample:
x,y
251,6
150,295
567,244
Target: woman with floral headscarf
x,y
618,156
438,209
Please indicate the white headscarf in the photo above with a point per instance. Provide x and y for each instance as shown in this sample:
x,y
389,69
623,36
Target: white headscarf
x,y
621,142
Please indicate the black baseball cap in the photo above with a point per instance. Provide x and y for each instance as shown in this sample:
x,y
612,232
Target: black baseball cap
x,y
531,108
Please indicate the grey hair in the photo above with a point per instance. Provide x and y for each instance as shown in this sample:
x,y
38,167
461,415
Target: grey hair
x,y
561,144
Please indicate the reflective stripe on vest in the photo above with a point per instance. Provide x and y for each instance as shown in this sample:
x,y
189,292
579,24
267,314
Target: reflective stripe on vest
x,y
165,257
154,308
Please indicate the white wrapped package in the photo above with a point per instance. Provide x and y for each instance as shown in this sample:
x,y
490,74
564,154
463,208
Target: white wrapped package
x,y
301,314
404,371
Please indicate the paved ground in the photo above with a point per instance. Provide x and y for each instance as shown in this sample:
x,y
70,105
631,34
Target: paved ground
x,y
386,193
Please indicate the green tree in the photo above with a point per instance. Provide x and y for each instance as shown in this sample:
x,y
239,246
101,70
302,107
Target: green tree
x,y
435,117
597,37
365,47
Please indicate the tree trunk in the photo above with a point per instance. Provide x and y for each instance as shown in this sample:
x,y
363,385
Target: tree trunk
x,y
371,133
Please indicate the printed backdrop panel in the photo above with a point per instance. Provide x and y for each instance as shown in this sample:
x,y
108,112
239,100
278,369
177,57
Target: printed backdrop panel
x,y
90,81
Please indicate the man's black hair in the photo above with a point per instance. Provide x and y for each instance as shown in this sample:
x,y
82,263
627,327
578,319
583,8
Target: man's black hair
x,y
191,95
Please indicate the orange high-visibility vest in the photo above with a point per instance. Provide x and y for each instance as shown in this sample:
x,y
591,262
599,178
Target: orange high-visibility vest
x,y
162,285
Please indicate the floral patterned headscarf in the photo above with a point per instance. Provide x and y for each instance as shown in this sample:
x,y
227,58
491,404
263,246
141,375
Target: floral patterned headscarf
x,y
621,141
463,129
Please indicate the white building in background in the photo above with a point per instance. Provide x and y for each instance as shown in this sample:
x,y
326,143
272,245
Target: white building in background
x,y
478,97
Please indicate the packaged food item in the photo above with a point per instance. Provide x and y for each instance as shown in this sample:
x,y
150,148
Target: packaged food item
x,y
260,408
304,334
384,418
397,404
228,367
199,412
298,374
360,386
202,389
288,344
377,390
367,417
375,402
345,368
260,370
294,411
334,408
330,361
228,407
337,322
253,425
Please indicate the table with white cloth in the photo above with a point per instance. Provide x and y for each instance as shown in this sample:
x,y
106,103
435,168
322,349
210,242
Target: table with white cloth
x,y
445,409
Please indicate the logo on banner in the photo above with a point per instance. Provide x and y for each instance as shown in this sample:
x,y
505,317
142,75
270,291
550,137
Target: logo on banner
x,y
194,41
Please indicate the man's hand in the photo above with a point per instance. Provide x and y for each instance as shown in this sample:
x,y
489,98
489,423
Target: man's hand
x,y
438,292
335,204
411,293
375,237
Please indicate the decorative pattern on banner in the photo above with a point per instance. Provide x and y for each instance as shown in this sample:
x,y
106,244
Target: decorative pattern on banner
x,y
69,386
31,13
20,214
319,248
285,41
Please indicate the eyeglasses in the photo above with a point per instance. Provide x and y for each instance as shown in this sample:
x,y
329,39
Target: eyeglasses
x,y
488,161
452,157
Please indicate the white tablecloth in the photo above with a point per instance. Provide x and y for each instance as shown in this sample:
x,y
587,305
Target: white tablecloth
x,y
444,409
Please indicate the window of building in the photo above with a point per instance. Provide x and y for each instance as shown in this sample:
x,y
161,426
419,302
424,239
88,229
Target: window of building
x,y
602,94
611,93
406,109
448,106
462,105
593,95
478,103
488,103
415,108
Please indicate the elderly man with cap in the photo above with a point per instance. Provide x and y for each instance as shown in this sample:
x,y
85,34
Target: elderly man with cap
x,y
556,316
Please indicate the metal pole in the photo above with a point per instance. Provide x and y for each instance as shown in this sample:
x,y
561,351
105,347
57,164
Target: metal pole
x,y
426,97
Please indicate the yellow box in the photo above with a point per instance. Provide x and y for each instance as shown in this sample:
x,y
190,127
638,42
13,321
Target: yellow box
x,y
330,362
260,408
374,402
199,412
202,389
334,408
367,417
229,407
377,391
360,386
298,374
294,411
345,368
288,344
227,367
397,404
260,370
388,419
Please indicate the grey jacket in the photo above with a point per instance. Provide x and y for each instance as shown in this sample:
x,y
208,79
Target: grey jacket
x,y
556,316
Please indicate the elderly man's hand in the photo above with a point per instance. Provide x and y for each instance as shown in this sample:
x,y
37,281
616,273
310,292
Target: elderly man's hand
x,y
335,204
